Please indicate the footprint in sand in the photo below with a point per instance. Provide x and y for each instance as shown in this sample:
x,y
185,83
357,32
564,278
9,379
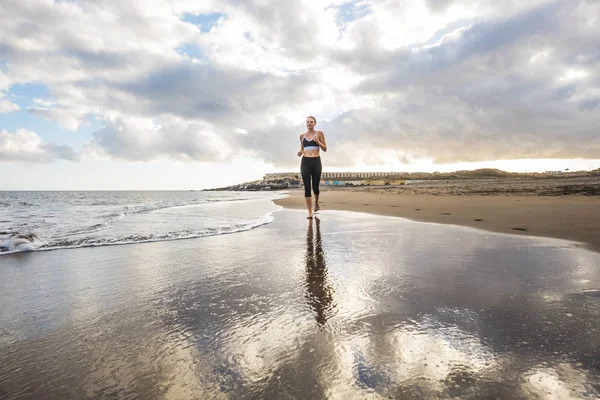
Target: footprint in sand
x,y
445,213
520,229
417,209
478,219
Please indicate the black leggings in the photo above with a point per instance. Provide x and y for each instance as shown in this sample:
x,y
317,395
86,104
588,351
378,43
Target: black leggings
x,y
311,168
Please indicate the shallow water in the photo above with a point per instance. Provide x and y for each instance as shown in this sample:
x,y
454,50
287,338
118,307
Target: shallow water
x,y
348,306
50,220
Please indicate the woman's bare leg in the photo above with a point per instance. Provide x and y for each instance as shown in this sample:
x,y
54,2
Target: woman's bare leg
x,y
317,207
309,206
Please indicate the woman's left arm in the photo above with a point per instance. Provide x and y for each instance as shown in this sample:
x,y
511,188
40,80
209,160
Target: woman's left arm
x,y
321,141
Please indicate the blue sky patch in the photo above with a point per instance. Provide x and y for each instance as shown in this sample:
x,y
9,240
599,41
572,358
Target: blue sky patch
x,y
351,11
24,93
49,131
192,50
202,21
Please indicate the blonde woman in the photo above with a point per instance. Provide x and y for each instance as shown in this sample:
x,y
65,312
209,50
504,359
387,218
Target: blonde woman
x,y
311,142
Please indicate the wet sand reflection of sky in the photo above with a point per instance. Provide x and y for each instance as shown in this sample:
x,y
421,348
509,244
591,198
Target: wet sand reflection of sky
x,y
348,306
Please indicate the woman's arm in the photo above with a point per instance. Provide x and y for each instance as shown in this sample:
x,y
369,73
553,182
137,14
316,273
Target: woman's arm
x,y
301,146
320,137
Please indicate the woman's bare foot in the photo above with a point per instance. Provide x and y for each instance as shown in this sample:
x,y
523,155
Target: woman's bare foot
x,y
317,207
309,217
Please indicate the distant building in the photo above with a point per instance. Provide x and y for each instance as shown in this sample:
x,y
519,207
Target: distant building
x,y
370,182
553,172
330,175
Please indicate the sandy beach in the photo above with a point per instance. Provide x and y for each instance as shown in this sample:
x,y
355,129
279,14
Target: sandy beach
x,y
524,208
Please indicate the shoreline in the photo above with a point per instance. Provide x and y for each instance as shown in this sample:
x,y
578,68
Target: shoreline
x,y
573,218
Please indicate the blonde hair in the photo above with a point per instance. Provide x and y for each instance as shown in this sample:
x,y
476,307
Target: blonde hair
x,y
314,119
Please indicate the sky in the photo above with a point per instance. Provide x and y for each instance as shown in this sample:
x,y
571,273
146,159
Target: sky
x,y
185,94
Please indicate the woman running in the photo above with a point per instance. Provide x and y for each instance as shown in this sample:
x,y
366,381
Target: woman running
x,y
310,143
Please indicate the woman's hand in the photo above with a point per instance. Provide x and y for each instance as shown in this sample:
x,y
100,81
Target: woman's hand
x,y
317,139
300,153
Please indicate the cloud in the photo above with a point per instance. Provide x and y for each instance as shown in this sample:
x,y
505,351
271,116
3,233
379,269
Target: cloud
x,y
5,81
67,117
24,145
451,81
144,139
479,96
7,106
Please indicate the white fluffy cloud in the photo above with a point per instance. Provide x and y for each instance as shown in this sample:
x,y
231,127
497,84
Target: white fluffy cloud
x,y
144,139
7,106
24,145
449,80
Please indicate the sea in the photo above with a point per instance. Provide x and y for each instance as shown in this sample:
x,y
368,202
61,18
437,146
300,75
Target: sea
x,y
47,220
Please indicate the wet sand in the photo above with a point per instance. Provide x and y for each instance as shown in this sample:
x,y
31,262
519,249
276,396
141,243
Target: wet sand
x,y
574,218
349,306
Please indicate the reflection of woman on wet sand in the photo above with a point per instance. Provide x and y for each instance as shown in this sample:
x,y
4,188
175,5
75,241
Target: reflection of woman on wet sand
x,y
319,292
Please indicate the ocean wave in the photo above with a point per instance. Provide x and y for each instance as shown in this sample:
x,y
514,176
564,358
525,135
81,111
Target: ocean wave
x,y
144,208
134,209
89,229
113,215
225,199
17,242
103,203
95,226
16,203
14,243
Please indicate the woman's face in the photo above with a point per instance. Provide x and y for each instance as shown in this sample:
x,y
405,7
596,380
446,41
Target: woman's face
x,y
310,123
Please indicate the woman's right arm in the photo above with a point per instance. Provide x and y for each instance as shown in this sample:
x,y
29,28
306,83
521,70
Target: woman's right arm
x,y
301,146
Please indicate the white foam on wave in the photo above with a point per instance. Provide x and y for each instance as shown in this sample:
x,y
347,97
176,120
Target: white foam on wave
x,y
88,236
13,243
89,229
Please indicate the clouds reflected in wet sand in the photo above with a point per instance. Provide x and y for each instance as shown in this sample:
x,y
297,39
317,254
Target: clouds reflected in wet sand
x,y
344,306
